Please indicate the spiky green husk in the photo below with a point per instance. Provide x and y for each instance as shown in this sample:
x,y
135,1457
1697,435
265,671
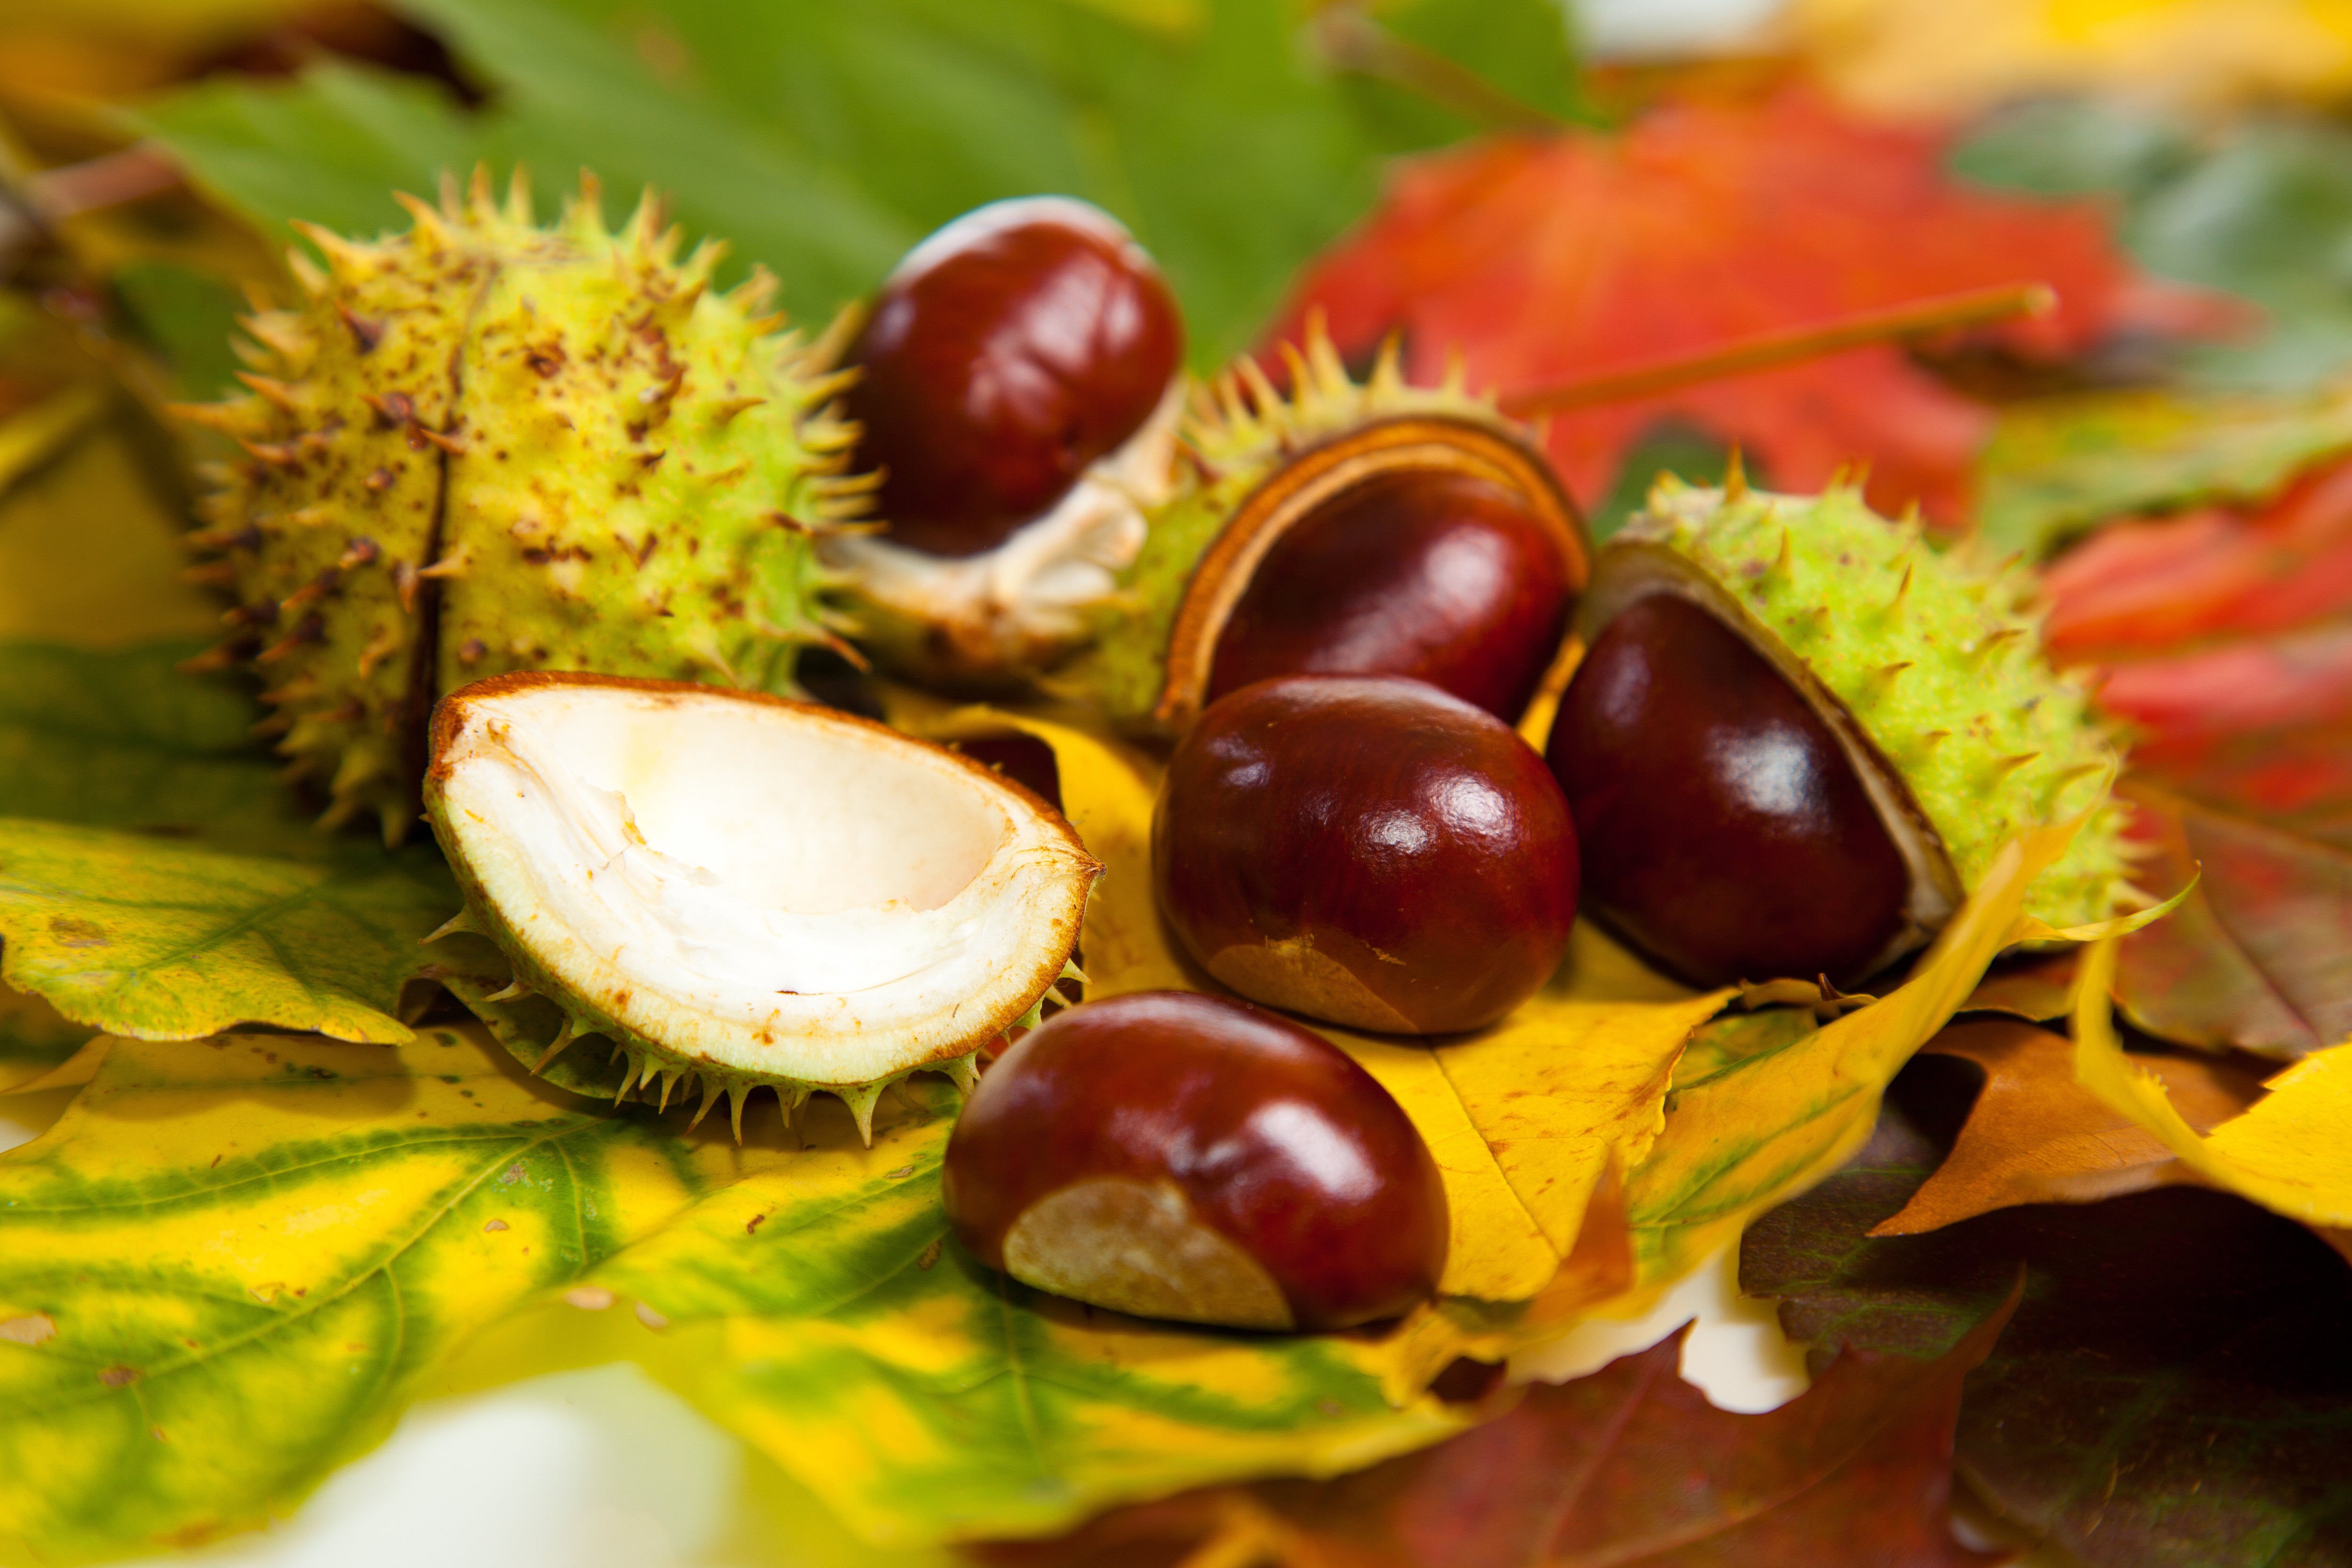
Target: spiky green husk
x,y
482,446
650,1072
1937,653
1239,430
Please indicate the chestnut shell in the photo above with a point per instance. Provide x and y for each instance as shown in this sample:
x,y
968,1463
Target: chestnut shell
x,y
1269,1137
1447,577
1366,849
1410,449
1726,833
1011,350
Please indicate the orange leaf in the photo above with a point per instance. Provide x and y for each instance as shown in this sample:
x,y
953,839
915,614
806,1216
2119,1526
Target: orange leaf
x,y
2037,1136
1546,260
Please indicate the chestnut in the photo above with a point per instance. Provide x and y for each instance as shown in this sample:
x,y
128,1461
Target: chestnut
x,y
1007,353
1726,834
1445,576
1366,849
1178,1156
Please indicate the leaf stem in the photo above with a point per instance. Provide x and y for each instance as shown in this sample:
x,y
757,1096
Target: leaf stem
x,y
1970,307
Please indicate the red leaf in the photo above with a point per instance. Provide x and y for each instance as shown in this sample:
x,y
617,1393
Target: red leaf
x,y
2225,634
1629,1467
1546,259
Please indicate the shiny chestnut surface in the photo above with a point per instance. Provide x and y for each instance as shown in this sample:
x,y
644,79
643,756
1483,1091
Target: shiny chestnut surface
x,y
1446,577
1370,850
1178,1156
1011,350
1725,831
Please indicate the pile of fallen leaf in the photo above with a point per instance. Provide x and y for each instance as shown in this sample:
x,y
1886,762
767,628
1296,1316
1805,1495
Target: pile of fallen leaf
x,y
2060,1231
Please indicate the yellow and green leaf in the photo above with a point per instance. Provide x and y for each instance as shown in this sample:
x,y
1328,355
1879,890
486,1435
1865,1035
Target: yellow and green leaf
x,y
1772,1109
822,1310
139,935
223,1271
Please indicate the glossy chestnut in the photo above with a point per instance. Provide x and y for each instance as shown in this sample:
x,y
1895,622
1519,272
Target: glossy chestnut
x,y
1368,850
1178,1156
1020,757
1444,576
1726,832
1009,351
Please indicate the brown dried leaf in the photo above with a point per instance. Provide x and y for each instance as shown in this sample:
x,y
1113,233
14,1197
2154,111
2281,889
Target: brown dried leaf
x,y
2037,1136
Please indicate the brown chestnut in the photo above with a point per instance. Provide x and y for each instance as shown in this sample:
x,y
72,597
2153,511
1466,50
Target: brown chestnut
x,y
1366,849
1007,353
1444,576
1726,832
1177,1156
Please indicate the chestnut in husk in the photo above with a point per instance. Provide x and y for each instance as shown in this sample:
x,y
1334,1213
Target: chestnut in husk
x,y
1178,1156
1368,850
1446,577
1726,835
1008,351
1337,539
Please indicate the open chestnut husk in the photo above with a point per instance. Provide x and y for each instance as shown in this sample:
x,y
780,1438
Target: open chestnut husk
x,y
1436,548
1726,836
1442,574
1334,527
1178,1156
1367,850
1803,732
1017,384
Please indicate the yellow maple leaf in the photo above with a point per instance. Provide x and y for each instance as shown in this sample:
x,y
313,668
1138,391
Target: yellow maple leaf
x,y
2287,1152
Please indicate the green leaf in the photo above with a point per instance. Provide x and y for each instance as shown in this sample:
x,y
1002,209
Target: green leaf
x,y
1518,48
821,1312
190,317
141,936
126,740
570,94
2061,467
330,147
2261,209
822,139
227,1265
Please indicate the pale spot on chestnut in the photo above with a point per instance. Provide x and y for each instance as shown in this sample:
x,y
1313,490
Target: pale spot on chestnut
x,y
1183,1156
1368,850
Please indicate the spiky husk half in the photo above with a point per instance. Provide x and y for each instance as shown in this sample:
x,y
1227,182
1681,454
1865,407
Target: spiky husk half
x,y
652,1074
538,786
1240,431
1930,658
483,446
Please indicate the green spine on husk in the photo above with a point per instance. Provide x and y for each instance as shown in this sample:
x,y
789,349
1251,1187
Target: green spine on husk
x,y
1238,432
1937,653
481,446
652,1072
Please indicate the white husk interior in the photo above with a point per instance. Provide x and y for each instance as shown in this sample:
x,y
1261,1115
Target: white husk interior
x,y
1015,606
764,889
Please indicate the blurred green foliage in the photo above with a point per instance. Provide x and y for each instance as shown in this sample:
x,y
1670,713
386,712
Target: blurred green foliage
x,y
823,139
2260,207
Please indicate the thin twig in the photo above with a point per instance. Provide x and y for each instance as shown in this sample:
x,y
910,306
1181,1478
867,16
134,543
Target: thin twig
x,y
1973,308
